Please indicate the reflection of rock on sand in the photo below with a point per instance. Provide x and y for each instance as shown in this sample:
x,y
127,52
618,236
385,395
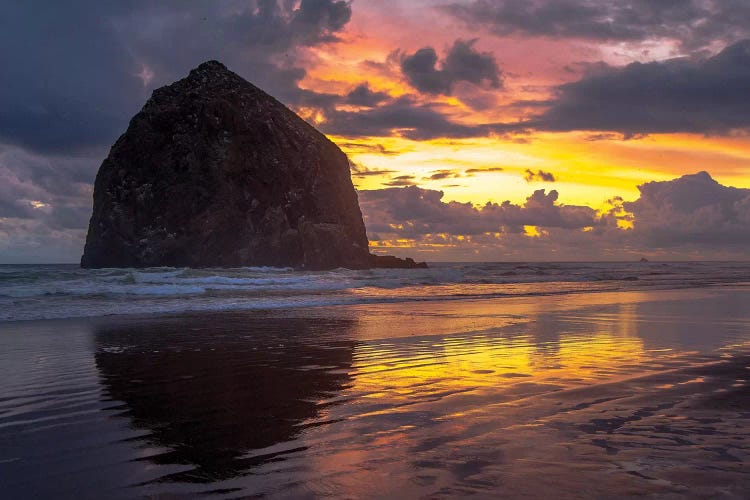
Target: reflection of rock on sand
x,y
212,391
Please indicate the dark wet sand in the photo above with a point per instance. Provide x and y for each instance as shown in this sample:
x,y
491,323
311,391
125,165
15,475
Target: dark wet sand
x,y
607,395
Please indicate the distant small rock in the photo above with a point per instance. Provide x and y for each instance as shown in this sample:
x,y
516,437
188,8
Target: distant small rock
x,y
644,259
389,261
214,172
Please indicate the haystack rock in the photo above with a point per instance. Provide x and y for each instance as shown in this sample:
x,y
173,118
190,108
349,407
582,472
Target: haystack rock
x,y
214,172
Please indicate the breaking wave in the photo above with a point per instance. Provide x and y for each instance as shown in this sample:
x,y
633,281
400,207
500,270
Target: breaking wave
x,y
61,291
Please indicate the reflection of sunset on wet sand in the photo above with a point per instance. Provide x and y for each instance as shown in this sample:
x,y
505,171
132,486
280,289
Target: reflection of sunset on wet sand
x,y
573,394
514,339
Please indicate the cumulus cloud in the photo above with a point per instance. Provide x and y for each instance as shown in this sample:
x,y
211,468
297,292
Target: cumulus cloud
x,y
694,23
413,211
462,63
692,211
676,95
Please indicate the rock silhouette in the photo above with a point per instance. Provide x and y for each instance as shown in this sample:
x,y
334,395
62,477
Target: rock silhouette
x,y
214,172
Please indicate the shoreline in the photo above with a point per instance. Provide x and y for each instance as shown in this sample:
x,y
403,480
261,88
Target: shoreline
x,y
375,302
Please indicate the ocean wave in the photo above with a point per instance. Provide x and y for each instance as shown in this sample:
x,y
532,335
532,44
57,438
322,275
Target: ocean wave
x,y
31,292
170,303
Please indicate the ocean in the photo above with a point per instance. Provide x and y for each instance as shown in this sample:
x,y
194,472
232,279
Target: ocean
x,y
29,292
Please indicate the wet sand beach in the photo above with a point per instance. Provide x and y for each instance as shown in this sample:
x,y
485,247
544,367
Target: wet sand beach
x,y
590,395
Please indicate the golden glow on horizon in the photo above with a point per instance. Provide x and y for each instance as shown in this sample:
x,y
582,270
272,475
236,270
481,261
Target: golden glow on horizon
x,y
587,172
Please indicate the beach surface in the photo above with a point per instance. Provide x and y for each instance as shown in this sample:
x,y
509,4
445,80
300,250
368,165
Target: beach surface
x,y
587,395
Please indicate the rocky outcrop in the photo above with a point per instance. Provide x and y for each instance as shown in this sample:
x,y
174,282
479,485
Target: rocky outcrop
x,y
214,172
389,261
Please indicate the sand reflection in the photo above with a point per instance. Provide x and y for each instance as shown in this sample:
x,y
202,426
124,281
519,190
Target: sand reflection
x,y
476,345
210,389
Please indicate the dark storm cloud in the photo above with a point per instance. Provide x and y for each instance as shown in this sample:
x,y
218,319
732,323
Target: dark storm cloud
x,y
539,175
677,95
74,72
695,23
60,90
361,95
462,63
317,20
408,118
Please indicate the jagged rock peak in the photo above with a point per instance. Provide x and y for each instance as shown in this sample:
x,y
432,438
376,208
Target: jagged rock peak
x,y
212,65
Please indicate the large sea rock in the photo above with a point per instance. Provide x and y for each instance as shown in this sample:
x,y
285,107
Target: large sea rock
x,y
214,172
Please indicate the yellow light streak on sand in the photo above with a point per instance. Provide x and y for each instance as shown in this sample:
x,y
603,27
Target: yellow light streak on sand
x,y
473,361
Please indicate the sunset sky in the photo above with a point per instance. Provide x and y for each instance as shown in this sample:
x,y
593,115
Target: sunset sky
x,y
477,129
